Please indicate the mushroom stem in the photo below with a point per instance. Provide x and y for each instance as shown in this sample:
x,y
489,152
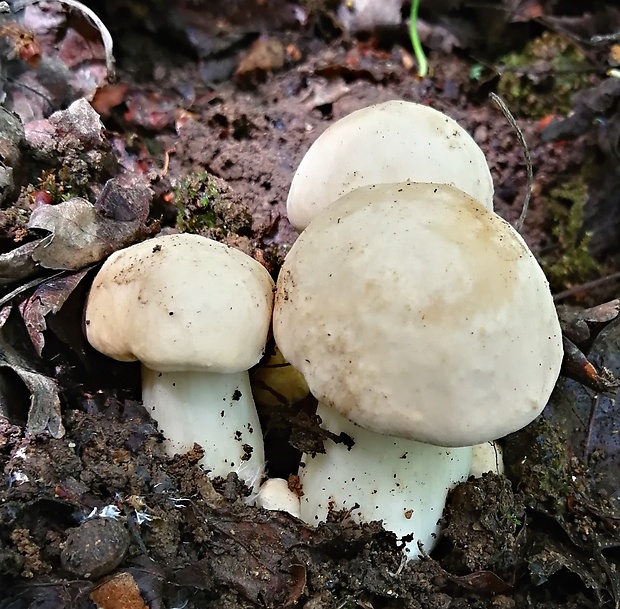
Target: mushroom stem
x,y
215,410
402,482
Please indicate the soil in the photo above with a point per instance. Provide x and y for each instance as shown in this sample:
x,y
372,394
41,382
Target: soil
x,y
101,516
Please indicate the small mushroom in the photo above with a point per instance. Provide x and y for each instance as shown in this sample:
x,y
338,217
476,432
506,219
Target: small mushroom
x,y
276,495
416,315
196,314
395,141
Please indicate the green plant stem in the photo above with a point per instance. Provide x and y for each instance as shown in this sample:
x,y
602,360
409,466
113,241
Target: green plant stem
x,y
415,40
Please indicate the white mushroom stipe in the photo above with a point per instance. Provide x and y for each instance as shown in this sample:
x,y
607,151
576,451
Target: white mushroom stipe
x,y
196,314
226,424
402,482
486,457
395,141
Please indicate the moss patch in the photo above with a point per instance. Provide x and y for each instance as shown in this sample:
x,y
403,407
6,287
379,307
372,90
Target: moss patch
x,y
206,206
543,78
571,262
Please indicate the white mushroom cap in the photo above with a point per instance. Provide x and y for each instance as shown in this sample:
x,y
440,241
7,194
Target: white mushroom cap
x,y
416,312
181,303
396,141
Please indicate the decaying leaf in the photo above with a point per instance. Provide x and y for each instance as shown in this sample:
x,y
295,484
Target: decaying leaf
x,y
264,546
77,127
64,595
18,264
578,324
83,234
70,49
76,239
44,412
568,463
556,556
603,313
483,582
47,298
589,105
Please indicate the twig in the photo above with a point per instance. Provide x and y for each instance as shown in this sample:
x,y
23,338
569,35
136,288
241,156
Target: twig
x,y
605,38
526,152
595,283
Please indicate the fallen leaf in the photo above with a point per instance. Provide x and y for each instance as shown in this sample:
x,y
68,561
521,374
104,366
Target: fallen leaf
x,y
73,55
83,234
75,240
44,412
108,97
482,582
65,595
18,264
271,576
47,298
554,557
265,56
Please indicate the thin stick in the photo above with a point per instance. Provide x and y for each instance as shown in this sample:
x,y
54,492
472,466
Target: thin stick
x,y
595,283
526,152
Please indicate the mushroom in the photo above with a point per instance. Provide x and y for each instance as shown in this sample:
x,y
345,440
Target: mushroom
x,y
395,141
416,315
486,457
275,494
196,314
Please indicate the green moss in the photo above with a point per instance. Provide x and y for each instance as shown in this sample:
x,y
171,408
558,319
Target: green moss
x,y
195,197
571,262
542,79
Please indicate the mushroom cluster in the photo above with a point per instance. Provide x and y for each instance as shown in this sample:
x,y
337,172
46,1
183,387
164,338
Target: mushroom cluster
x,y
419,318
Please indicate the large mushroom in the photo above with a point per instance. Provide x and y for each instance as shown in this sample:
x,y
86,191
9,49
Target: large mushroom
x,y
196,314
416,315
395,141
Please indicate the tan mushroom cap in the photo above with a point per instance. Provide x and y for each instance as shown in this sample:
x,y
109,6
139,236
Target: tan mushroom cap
x,y
416,312
395,141
181,302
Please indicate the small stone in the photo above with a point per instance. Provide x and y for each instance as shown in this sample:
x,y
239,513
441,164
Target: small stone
x,y
120,591
95,548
